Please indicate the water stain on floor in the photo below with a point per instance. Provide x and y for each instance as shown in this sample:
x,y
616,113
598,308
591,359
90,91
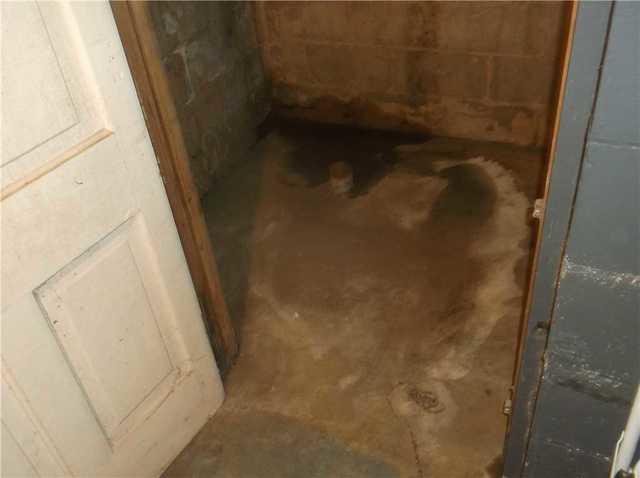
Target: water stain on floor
x,y
378,329
371,156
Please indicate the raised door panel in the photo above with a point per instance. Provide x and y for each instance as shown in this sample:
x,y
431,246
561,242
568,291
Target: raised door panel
x,y
115,341
48,91
34,68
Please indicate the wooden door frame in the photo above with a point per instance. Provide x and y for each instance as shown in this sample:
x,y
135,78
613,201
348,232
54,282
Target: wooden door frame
x,y
141,48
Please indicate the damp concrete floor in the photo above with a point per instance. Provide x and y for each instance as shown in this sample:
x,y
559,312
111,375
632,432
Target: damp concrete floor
x,y
378,328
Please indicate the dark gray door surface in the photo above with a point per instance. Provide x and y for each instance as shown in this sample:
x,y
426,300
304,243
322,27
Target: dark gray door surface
x,y
581,356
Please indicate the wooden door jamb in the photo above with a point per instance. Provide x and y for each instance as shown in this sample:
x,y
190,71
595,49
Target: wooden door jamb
x,y
141,48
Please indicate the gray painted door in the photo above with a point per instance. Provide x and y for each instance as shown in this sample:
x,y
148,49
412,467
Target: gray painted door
x,y
592,358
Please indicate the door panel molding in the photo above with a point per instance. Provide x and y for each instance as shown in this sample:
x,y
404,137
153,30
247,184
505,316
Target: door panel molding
x,y
26,431
54,163
73,304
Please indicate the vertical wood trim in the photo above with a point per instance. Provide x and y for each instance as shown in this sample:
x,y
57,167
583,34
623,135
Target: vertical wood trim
x,y
551,152
145,62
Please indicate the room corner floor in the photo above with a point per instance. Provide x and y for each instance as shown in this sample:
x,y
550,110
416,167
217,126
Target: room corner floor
x,y
377,329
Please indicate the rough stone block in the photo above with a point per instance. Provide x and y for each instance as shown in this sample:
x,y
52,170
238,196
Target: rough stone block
x,y
178,22
523,80
204,62
216,75
178,79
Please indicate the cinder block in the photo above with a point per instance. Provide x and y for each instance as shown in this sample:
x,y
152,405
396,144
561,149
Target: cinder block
x,y
477,120
377,23
324,21
548,21
522,28
446,74
379,71
361,70
523,80
454,26
288,62
331,65
420,22
283,20
514,33
530,28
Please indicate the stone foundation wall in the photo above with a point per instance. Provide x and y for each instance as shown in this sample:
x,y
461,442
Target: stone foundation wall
x,y
480,70
217,78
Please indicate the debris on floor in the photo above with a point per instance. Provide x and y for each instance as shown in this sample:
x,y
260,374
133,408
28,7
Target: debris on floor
x,y
341,177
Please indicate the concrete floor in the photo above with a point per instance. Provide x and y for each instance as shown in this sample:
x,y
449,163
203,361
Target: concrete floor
x,y
377,329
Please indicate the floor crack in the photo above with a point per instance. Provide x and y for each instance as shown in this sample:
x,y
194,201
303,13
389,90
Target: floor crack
x,y
412,436
416,453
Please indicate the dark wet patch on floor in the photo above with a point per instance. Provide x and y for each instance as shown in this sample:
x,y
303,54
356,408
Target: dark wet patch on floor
x,y
469,195
370,154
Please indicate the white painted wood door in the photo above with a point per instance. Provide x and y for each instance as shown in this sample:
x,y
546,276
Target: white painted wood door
x,y
106,369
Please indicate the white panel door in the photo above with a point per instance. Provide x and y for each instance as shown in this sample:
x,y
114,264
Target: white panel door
x,y
106,368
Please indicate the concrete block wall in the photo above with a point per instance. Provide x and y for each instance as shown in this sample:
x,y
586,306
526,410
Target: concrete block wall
x,y
480,70
217,78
